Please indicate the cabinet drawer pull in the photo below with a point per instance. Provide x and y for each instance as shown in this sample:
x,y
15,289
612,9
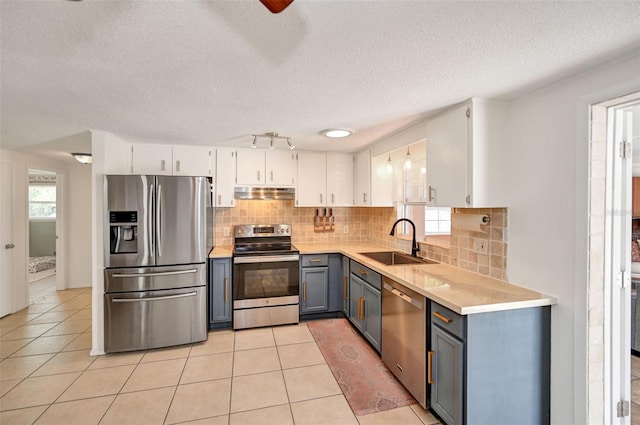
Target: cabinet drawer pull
x,y
304,291
441,317
362,272
430,367
345,288
315,260
226,289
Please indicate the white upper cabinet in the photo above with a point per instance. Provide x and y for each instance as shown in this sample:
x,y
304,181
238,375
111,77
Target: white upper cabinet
x,y
151,159
280,168
225,177
381,183
192,161
250,167
362,180
171,160
339,180
466,149
312,179
260,167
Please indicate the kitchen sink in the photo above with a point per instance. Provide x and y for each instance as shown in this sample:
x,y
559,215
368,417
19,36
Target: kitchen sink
x,y
395,258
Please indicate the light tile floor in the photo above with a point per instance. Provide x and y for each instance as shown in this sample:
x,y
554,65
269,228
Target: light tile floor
x,y
258,376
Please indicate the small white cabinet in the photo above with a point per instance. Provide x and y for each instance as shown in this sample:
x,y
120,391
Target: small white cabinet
x,y
339,180
260,167
171,160
225,177
324,180
362,180
312,178
466,148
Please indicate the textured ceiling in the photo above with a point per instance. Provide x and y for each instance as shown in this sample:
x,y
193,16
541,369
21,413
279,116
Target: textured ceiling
x,y
214,72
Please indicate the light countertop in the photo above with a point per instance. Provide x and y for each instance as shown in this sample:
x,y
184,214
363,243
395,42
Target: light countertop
x,y
459,290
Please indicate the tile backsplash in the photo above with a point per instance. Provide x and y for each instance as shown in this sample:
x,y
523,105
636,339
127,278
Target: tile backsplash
x,y
366,224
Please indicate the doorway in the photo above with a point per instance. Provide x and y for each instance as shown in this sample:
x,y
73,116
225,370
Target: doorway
x,y
612,233
43,228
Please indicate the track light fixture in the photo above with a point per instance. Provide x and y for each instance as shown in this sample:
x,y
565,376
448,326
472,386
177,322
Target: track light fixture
x,y
272,136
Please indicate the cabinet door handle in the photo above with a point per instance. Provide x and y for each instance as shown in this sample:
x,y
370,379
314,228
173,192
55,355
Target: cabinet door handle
x,y
441,317
333,200
364,306
345,288
226,289
360,308
219,199
162,165
258,175
178,165
430,367
321,198
431,190
304,291
271,175
364,197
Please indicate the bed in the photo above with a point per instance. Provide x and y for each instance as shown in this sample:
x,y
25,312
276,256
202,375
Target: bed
x,y
38,264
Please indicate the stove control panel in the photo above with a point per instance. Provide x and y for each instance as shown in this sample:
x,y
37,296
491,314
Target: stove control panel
x,y
261,230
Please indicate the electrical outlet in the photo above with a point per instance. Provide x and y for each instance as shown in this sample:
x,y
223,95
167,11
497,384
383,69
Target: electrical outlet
x,y
481,246
345,229
225,231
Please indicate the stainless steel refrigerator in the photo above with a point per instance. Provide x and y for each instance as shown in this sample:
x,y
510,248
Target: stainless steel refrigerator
x,y
158,233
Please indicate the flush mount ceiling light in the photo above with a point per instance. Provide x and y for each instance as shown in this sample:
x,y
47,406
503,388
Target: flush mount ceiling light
x,y
84,158
272,136
336,132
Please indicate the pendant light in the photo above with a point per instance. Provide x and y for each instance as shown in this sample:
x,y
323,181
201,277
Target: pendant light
x,y
389,164
407,161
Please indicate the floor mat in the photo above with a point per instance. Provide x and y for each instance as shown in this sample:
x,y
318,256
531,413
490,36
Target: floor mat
x,y
365,381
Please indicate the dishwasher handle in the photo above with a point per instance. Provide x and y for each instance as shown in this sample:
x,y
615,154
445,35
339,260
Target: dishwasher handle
x,y
413,301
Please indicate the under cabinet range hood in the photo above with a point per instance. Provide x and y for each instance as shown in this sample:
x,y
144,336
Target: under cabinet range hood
x,y
270,193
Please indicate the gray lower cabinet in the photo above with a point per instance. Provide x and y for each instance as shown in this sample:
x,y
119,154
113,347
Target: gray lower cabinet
x,y
447,375
219,292
365,302
314,284
490,368
345,285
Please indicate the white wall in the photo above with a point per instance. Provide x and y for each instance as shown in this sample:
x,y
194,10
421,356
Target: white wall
x,y
78,225
547,169
74,208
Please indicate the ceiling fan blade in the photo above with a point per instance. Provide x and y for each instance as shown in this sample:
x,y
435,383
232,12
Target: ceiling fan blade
x,y
276,6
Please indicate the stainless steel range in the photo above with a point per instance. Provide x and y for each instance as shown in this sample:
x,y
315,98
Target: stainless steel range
x,y
265,276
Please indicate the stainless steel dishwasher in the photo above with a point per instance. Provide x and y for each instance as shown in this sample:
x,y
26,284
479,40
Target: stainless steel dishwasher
x,y
404,337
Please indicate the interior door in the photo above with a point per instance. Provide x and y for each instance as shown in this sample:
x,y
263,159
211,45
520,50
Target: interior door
x,y
6,237
181,204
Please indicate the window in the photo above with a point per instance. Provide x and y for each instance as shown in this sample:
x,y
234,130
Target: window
x,y
437,221
42,201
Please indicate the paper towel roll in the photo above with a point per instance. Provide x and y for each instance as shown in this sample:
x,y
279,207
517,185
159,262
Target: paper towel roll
x,y
472,222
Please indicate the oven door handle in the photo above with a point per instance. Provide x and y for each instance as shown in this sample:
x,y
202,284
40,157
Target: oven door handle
x,y
266,259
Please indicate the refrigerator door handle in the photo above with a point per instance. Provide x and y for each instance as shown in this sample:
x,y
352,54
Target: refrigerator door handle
x,y
150,237
124,275
159,220
166,297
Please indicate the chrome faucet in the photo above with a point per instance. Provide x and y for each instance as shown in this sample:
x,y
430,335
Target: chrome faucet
x,y
414,245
